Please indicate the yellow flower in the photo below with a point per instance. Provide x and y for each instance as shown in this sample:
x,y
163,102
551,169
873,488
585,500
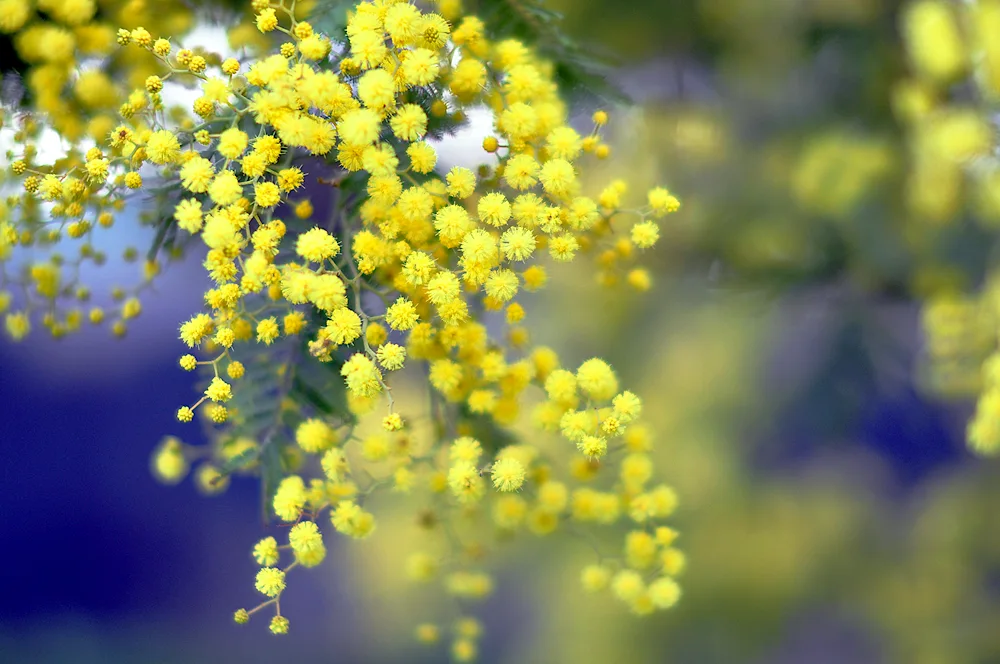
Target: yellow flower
x,y
267,330
362,376
521,171
421,67
564,143
197,174
232,143
162,147
265,552
225,188
465,482
306,542
494,209
645,234
423,158
316,245
409,123
219,390
267,20
359,126
270,581
507,474
266,194
558,178
391,356
517,244
401,315
461,182
14,14
343,327
595,578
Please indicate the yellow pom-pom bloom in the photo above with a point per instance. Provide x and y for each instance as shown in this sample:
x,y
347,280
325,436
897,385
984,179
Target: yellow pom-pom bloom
x,y
225,189
359,127
169,463
507,474
265,552
278,625
461,182
597,379
316,245
362,376
401,315
307,543
267,20
595,578
232,143
314,436
627,585
343,327
270,581
219,390
465,482
391,356
933,39
494,209
267,330
664,592
662,201
290,498
162,147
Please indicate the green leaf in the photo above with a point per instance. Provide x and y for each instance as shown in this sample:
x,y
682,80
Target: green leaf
x,y
240,461
272,470
578,71
490,435
320,385
166,232
257,406
330,17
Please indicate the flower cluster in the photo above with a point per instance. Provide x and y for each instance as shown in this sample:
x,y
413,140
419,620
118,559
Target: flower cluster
x,y
951,139
73,71
72,80
954,166
314,322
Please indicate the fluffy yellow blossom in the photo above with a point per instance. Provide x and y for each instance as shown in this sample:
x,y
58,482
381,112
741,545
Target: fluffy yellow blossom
x,y
270,581
279,625
219,390
317,245
267,20
349,519
343,326
267,330
290,498
306,542
362,376
169,463
465,482
595,578
461,182
391,356
265,552
508,474
934,42
315,435
597,379
162,147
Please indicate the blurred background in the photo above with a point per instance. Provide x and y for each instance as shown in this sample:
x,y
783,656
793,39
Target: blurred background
x,y
809,353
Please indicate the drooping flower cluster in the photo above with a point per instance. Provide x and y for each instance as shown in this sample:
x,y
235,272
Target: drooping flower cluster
x,y
314,322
